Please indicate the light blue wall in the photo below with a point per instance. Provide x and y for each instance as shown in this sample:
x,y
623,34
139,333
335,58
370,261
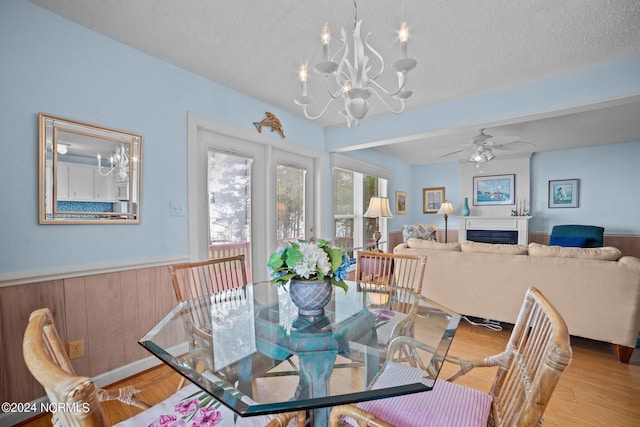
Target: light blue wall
x,y
582,87
445,175
609,192
52,65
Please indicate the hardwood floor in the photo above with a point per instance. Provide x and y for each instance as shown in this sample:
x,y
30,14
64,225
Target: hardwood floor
x,y
595,390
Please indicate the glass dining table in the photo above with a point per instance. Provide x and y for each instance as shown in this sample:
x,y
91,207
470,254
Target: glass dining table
x,y
250,349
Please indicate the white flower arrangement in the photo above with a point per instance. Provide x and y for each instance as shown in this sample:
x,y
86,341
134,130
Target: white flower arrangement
x,y
309,260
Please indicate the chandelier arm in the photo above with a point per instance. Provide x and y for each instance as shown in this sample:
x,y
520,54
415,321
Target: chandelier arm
x,y
310,117
344,62
377,55
386,104
332,95
107,173
119,163
386,92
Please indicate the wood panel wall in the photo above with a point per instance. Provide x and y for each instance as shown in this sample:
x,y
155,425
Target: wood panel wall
x,y
110,312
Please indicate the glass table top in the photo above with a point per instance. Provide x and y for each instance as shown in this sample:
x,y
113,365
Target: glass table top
x,y
251,351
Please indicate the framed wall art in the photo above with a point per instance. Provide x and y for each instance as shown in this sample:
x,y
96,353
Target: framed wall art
x,y
494,190
401,202
563,193
432,198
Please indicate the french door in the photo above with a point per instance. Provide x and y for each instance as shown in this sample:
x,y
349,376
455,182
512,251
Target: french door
x,y
247,197
294,196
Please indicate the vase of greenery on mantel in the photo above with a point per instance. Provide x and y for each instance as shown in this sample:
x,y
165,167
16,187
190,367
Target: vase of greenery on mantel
x,y
310,268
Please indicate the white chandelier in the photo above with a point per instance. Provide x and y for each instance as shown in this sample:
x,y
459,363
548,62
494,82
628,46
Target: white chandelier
x,y
119,163
352,79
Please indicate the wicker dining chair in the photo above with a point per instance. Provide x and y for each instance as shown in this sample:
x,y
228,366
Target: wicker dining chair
x,y
382,269
48,362
196,279
393,283
529,368
225,278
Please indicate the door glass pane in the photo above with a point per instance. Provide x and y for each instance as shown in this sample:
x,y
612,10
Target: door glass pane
x,y
370,190
344,209
229,192
290,204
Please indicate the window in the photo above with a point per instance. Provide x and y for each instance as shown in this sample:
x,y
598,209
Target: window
x,y
229,194
352,191
291,203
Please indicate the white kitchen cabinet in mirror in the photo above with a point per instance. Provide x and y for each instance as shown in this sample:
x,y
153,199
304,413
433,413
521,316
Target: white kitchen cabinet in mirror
x,y
87,173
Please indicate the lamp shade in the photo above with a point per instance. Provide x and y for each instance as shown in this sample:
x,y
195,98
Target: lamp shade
x,y
446,208
378,208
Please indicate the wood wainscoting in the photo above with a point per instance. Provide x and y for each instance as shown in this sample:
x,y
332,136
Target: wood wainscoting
x,y
110,312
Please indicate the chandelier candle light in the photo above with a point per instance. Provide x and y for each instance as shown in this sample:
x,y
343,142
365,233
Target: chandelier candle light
x,y
351,79
119,163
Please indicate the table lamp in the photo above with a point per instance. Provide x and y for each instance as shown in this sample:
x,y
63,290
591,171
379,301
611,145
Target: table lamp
x,y
378,208
446,208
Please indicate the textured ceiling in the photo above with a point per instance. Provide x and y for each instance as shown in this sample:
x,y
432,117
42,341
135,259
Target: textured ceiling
x,y
463,47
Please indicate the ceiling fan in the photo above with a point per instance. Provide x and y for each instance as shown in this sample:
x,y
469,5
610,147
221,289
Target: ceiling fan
x,y
483,144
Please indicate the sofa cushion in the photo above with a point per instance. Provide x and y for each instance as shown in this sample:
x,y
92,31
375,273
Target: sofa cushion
x,y
419,231
607,253
430,244
568,242
494,248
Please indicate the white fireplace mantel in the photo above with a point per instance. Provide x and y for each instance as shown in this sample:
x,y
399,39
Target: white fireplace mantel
x,y
506,223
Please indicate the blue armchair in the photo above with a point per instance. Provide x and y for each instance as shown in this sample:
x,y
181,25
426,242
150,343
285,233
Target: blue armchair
x,y
578,236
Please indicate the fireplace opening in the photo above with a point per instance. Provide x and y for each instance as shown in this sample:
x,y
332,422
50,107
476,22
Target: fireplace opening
x,y
493,236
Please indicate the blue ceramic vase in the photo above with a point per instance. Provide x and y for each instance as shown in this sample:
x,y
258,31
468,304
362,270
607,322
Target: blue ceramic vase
x,y
465,209
310,296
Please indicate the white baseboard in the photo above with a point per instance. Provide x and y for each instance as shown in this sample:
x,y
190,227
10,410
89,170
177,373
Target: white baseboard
x,y
13,418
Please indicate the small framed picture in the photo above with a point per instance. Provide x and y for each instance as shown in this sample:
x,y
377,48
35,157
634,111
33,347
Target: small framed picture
x,y
401,202
432,198
494,190
563,193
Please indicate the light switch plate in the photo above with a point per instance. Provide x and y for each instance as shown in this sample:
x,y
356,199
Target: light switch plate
x,y
178,208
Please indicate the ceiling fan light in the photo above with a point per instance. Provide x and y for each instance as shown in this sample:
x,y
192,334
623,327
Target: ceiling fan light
x,y
489,154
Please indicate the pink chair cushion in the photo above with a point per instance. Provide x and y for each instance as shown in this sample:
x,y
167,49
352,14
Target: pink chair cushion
x,y
448,404
191,406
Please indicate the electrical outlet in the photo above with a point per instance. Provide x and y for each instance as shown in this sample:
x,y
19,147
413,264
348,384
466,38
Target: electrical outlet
x,y
75,349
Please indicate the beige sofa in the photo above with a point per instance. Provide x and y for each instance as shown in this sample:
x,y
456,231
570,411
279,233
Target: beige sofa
x,y
597,291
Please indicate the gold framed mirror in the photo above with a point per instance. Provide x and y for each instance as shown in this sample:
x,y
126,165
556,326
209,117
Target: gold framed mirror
x,y
87,174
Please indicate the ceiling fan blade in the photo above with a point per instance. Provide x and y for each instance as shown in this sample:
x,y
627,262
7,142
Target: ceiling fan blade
x,y
515,146
455,152
503,139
